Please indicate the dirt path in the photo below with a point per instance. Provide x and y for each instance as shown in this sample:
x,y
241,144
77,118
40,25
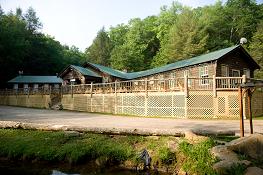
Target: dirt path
x,y
69,120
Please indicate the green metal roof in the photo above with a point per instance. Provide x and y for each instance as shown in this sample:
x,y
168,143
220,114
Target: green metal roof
x,y
212,56
180,64
85,71
110,71
35,79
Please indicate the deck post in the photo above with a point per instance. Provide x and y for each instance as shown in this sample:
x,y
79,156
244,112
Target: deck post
x,y
91,89
186,86
241,111
214,86
146,87
244,79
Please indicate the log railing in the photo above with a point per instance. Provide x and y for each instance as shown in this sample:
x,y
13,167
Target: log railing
x,y
184,84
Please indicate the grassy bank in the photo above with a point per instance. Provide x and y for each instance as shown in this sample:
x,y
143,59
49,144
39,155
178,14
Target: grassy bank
x,y
167,153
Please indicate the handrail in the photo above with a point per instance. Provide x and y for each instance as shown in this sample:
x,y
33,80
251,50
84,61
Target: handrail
x,y
134,86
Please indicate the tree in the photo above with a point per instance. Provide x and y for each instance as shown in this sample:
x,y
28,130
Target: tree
x,y
118,34
72,55
187,38
139,46
14,46
213,18
256,48
1,11
33,22
241,18
99,51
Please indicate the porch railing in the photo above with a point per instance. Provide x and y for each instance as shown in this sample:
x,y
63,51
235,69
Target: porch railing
x,y
183,84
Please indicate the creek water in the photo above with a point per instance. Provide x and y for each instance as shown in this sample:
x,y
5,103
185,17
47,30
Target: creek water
x,y
9,167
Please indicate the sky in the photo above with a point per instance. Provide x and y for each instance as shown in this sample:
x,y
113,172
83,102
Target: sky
x,y
76,22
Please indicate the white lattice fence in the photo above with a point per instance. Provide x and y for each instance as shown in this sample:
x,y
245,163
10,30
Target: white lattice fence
x,y
200,104
227,105
131,103
152,104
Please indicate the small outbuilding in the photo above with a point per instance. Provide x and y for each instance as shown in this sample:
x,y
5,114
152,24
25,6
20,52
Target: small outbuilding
x,y
35,82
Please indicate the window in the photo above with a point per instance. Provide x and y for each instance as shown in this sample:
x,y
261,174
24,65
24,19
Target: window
x,y
35,86
56,86
161,81
203,74
247,72
235,73
46,86
187,73
105,79
172,80
25,87
224,71
15,86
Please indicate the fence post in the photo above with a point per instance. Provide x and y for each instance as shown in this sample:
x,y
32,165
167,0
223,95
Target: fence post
x,y
186,86
91,89
146,98
28,89
214,85
71,90
146,87
91,92
115,97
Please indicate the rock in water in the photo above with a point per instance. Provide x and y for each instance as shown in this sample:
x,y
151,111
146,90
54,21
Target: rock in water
x,y
145,157
251,146
254,171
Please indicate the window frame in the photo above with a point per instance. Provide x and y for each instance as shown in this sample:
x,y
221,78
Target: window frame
x,y
246,72
203,74
226,70
235,70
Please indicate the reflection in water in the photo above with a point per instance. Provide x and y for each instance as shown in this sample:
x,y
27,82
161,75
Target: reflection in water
x,y
56,172
21,168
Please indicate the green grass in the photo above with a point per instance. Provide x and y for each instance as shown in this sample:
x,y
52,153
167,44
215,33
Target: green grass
x,y
166,152
258,118
56,146
197,158
59,147
225,138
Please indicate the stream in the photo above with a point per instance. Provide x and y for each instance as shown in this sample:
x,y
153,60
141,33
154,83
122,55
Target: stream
x,y
10,167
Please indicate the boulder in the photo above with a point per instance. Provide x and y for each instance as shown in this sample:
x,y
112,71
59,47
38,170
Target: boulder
x,y
254,171
72,133
223,153
251,146
192,138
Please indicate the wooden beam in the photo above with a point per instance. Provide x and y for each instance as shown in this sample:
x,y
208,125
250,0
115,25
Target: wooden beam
x,y
241,111
250,111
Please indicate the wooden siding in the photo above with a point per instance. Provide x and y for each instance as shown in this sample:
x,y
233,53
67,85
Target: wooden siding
x,y
234,61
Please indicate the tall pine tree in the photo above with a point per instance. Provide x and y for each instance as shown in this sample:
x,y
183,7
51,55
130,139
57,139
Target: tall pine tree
x,y
99,51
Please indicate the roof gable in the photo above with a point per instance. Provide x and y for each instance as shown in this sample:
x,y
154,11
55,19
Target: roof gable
x,y
108,70
85,71
82,70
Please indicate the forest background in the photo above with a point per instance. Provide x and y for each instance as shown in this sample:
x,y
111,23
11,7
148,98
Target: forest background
x,y
177,32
